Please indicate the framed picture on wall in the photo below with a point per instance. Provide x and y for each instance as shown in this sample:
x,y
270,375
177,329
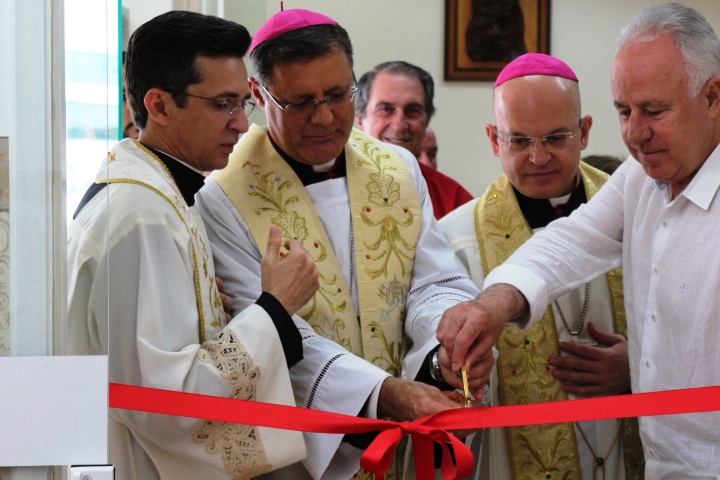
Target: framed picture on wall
x,y
482,36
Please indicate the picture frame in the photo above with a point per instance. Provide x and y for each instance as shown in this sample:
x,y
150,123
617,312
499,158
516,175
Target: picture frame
x,y
482,36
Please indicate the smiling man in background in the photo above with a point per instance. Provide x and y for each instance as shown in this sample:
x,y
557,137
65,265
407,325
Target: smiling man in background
x,y
395,104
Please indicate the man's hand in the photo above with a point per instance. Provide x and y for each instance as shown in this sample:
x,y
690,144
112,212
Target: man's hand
x,y
478,374
469,330
594,370
406,400
224,298
292,279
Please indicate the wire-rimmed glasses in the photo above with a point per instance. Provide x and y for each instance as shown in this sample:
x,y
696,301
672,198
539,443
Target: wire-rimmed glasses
x,y
229,104
552,142
308,107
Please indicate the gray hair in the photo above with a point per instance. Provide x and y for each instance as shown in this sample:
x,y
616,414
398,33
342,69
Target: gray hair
x,y
695,38
399,68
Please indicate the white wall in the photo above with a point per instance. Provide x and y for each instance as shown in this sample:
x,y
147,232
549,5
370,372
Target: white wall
x,y
582,33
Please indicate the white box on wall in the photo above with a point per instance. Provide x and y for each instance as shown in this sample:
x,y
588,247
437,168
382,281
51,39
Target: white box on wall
x,y
54,410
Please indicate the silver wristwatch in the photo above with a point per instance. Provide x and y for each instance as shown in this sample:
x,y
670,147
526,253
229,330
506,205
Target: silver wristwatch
x,y
434,366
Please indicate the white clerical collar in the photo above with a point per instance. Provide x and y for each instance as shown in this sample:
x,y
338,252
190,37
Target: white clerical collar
x,y
564,199
560,200
325,167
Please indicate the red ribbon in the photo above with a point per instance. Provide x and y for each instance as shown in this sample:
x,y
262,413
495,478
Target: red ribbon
x,y
425,431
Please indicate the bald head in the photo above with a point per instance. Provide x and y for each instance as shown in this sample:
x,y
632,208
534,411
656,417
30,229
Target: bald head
x,y
538,92
429,149
540,107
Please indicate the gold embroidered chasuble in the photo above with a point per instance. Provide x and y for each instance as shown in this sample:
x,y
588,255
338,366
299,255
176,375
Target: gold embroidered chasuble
x,y
241,447
523,373
386,224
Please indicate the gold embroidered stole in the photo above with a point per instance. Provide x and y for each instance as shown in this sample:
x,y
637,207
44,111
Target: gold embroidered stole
x,y
523,374
125,166
386,219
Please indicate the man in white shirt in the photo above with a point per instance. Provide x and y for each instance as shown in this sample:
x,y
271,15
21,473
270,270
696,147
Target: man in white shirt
x,y
658,218
362,210
539,134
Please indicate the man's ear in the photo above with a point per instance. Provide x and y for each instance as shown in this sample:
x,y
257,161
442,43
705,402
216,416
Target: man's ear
x,y
585,126
360,120
256,90
492,135
159,105
711,91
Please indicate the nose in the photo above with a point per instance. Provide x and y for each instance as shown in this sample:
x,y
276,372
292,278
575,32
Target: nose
x,y
636,130
539,154
399,121
323,114
239,122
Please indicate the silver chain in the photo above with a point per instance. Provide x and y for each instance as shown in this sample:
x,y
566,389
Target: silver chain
x,y
582,316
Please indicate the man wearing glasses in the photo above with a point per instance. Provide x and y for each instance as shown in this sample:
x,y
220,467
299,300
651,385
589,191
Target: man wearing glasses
x,y
142,287
539,135
361,210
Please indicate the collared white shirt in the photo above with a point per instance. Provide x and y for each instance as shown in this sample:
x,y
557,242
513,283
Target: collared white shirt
x,y
671,262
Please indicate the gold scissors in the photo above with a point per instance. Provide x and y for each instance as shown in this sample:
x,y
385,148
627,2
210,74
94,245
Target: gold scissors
x,y
465,398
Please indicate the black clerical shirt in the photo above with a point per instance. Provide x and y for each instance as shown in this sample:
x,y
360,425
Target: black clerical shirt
x,y
306,173
540,212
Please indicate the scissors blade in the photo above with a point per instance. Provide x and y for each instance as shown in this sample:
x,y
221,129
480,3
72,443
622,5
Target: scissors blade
x,y
466,397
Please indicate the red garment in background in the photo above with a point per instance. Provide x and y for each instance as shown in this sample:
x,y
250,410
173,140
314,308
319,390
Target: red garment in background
x,y
446,194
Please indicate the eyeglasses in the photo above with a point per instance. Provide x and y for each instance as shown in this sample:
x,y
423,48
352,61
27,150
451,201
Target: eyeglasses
x,y
230,105
308,107
552,142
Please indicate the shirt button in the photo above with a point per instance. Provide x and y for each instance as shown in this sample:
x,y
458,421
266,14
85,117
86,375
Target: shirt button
x,y
647,364
656,269
654,317
665,224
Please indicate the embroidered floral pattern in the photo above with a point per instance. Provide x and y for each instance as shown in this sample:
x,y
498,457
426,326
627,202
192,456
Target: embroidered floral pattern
x,y
524,356
388,244
384,191
548,456
505,222
523,374
391,354
217,307
332,330
327,291
394,293
239,445
269,188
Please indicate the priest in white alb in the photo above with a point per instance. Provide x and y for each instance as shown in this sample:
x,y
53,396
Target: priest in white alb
x,y
141,280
